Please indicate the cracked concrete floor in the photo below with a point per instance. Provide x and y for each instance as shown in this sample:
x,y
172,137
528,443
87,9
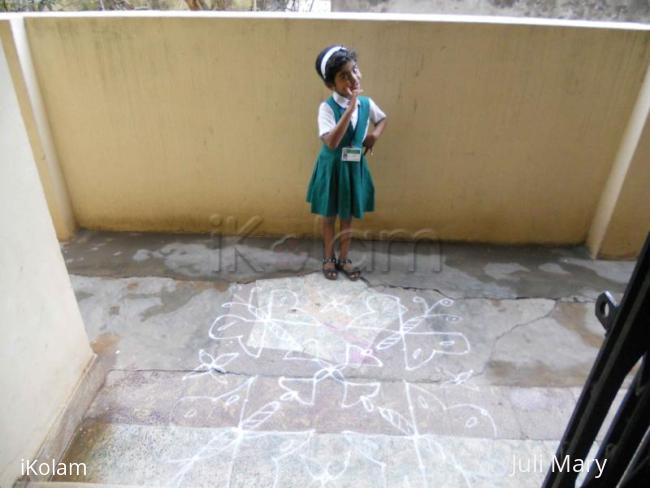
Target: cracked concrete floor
x,y
238,364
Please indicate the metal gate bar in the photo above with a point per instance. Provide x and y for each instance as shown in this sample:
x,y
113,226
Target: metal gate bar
x,y
627,341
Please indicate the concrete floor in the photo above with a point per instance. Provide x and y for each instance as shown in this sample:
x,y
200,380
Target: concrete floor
x,y
239,364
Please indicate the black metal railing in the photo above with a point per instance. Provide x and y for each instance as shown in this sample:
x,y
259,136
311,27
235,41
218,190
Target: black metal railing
x,y
624,452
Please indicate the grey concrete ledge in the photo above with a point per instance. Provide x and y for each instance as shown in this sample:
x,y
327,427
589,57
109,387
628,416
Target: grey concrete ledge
x,y
454,269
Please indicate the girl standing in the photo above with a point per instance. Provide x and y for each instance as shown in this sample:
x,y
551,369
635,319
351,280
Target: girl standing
x,y
341,184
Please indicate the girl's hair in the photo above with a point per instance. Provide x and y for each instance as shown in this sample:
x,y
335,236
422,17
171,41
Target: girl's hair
x,y
335,62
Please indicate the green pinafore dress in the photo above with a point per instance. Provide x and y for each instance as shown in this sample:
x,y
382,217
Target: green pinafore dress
x,y
343,188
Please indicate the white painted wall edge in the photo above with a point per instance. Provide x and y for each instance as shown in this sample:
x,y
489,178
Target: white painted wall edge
x,y
380,17
39,316
64,426
59,199
612,190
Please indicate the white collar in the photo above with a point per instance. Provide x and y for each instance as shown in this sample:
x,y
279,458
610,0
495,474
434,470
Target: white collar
x,y
342,101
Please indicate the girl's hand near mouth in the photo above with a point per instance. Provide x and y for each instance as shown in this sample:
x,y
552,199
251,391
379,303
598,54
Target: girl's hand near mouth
x,y
353,94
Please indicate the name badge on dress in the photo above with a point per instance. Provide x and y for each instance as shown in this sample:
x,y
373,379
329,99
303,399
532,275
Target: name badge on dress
x,y
351,154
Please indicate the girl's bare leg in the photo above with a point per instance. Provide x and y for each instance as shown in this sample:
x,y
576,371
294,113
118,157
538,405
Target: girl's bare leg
x,y
328,240
345,237
344,246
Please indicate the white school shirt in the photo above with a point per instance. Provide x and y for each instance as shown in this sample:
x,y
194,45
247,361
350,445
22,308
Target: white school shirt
x,y
327,121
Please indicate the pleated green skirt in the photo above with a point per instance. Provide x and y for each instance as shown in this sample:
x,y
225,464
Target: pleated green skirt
x,y
340,188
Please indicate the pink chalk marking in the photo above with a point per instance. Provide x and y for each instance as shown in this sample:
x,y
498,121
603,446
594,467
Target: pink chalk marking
x,y
356,355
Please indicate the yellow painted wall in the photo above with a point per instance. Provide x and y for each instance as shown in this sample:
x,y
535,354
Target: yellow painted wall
x,y
497,132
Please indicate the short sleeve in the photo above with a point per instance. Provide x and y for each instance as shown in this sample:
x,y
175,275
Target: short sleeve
x,y
376,114
326,121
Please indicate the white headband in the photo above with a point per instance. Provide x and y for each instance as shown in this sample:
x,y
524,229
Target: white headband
x,y
327,57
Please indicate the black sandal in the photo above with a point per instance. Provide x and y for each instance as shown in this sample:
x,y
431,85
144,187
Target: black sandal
x,y
353,275
330,273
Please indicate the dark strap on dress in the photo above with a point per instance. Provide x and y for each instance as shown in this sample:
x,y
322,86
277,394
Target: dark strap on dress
x,y
352,137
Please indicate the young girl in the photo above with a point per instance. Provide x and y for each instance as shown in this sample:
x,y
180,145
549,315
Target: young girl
x,y
341,183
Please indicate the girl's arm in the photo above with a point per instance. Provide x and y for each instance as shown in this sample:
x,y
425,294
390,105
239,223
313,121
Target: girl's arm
x,y
333,138
372,137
